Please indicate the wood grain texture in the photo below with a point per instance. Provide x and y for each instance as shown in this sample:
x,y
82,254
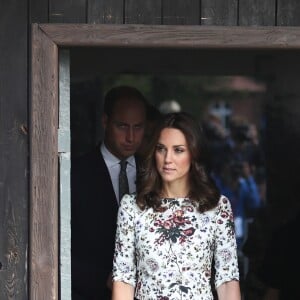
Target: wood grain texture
x,y
143,12
215,12
105,12
181,12
13,150
67,11
288,13
166,36
43,256
257,12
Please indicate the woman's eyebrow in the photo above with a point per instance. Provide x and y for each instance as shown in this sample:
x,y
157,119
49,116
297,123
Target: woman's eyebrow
x,y
180,145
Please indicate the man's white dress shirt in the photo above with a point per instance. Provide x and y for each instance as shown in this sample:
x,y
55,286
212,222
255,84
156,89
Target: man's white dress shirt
x,y
113,166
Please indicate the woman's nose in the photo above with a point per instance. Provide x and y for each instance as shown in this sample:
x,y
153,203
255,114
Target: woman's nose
x,y
168,156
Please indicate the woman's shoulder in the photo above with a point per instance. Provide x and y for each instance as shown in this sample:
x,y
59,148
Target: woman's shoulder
x,y
224,203
222,211
128,202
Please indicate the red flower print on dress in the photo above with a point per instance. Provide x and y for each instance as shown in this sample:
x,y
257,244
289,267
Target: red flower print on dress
x,y
174,228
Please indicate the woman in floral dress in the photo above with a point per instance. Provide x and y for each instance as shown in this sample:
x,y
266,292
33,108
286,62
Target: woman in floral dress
x,y
177,227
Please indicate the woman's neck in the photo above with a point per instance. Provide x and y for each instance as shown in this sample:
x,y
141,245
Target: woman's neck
x,y
174,192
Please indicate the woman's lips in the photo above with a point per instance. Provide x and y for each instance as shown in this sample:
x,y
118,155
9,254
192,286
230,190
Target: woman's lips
x,y
168,170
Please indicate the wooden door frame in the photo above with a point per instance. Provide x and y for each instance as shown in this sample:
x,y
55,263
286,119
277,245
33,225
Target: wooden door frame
x,y
47,39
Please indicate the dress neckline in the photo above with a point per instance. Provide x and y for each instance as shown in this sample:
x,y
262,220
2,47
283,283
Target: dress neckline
x,y
171,199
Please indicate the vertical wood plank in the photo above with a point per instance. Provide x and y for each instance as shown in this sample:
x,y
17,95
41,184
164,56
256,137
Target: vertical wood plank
x,y
181,12
288,13
105,12
43,256
215,12
13,150
143,12
257,12
67,11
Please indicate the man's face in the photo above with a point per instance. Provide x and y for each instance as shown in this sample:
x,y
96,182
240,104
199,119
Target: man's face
x,y
124,130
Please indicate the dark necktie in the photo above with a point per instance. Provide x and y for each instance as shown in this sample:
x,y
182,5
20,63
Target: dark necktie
x,y
123,180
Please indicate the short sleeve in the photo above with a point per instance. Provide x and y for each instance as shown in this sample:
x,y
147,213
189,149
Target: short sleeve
x,y
226,261
124,263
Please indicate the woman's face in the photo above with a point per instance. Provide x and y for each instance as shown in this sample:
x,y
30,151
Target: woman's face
x,y
173,157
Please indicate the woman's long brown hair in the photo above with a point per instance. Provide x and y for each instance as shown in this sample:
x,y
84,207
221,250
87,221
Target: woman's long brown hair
x,y
203,191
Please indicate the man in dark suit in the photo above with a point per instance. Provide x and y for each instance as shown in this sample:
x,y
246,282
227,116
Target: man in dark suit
x,y
95,192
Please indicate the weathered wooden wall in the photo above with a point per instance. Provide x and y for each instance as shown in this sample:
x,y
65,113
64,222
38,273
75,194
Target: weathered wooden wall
x,y
189,12
14,173
15,20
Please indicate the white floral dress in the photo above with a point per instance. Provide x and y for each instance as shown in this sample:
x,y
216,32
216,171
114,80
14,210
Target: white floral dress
x,y
167,255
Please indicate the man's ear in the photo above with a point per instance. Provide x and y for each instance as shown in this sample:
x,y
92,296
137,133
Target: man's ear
x,y
104,120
